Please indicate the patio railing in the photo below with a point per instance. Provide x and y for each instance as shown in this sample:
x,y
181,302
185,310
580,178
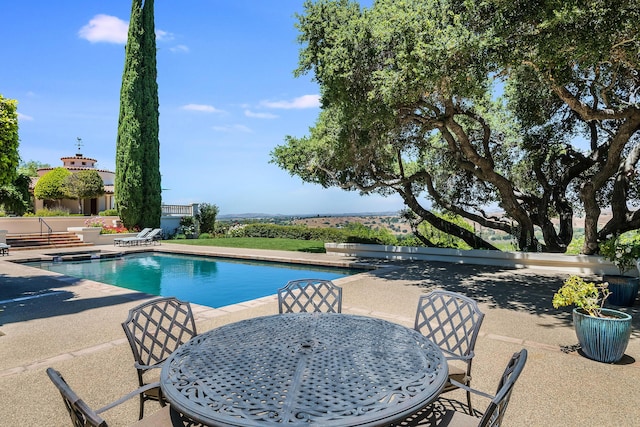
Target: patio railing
x,y
180,210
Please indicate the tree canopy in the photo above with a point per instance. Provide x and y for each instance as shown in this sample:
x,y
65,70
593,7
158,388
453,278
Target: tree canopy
x,y
15,197
531,107
137,182
51,185
31,167
9,141
84,184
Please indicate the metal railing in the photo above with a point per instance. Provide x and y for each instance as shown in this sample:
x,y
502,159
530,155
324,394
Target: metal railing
x,y
49,229
180,210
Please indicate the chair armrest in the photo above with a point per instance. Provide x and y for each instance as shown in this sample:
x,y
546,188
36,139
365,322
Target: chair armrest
x,y
451,356
147,367
128,396
472,390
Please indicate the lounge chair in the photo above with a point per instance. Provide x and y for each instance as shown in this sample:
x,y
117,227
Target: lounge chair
x,y
4,249
123,241
153,237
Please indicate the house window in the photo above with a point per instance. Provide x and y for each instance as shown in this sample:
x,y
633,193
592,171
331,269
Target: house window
x,y
84,163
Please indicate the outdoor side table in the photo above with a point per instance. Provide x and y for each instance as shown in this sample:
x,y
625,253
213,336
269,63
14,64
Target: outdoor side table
x,y
304,369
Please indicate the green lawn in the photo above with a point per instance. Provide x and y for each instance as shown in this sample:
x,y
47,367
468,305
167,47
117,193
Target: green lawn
x,y
315,246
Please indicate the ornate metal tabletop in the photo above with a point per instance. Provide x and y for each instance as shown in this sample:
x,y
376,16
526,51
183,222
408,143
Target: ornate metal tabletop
x,y
304,369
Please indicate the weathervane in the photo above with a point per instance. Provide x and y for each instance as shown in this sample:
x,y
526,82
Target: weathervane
x,y
79,144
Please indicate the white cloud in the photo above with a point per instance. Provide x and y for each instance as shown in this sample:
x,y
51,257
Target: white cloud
x,y
305,101
201,107
111,29
260,115
105,28
24,117
163,36
232,128
179,49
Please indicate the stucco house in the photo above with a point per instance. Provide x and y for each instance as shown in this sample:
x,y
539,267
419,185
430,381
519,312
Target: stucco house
x,y
90,206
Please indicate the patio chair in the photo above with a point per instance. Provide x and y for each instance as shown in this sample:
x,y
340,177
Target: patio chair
x,y
82,415
445,412
452,321
310,295
4,249
119,241
155,329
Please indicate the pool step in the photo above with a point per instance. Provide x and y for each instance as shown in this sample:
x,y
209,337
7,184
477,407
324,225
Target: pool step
x,y
43,241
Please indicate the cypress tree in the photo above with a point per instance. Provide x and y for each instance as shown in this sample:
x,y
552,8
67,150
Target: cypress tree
x,y
137,184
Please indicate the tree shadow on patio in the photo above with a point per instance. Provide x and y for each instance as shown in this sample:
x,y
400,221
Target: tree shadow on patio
x,y
40,297
523,290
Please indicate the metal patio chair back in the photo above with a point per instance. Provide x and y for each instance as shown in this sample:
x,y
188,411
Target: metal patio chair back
x,y
494,414
452,321
451,413
310,295
82,415
155,329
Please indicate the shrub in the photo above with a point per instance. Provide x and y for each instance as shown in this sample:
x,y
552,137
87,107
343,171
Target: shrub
x,y
354,233
207,217
187,225
622,250
204,236
109,212
51,212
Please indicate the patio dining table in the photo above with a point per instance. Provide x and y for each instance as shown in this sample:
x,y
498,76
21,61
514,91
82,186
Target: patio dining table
x,y
299,369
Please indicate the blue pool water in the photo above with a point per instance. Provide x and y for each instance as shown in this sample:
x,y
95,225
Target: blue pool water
x,y
214,282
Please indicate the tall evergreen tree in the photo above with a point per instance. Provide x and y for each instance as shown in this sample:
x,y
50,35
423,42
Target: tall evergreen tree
x,y
137,184
9,141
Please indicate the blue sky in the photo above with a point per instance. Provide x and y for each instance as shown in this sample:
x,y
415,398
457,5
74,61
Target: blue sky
x,y
227,96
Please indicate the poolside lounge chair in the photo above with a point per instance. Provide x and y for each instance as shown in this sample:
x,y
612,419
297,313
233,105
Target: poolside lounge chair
x,y
122,241
452,321
155,329
82,415
310,295
152,237
4,249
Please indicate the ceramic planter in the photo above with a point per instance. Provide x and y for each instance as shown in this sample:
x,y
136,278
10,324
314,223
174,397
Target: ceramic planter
x,y
624,290
603,339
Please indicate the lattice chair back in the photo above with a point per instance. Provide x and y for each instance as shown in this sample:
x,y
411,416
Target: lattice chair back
x,y
495,411
452,321
310,295
157,328
81,414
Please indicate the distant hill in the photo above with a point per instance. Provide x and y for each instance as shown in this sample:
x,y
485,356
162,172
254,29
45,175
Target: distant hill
x,y
283,216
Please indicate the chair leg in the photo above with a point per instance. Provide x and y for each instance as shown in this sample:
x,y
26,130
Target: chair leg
x,y
469,402
141,406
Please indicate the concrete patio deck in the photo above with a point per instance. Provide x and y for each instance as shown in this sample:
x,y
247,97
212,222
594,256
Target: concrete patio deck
x,y
75,328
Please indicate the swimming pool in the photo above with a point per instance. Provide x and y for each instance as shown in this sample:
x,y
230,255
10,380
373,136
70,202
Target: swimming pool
x,y
214,282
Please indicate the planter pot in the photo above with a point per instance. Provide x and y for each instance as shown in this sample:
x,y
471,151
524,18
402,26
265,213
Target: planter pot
x,y
603,339
624,290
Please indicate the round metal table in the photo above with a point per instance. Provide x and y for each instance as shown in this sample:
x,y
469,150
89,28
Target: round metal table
x,y
304,369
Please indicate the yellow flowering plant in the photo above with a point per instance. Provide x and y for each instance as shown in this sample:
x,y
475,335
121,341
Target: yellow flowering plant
x,y
588,296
